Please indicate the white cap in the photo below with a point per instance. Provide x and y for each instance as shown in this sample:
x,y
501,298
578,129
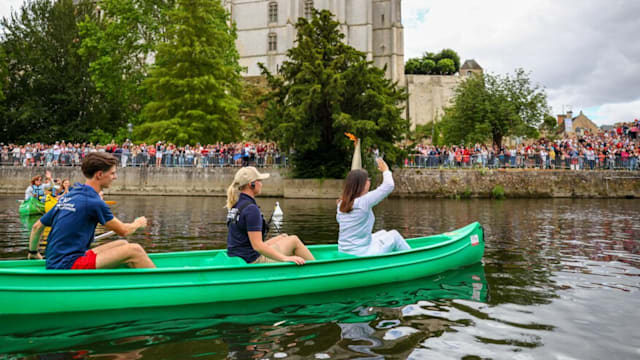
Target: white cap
x,y
247,175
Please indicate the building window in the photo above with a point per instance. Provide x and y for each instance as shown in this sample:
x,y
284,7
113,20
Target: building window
x,y
308,8
273,42
382,18
469,72
273,12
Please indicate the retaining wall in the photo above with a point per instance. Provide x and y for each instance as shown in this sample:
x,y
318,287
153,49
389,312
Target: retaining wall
x,y
409,182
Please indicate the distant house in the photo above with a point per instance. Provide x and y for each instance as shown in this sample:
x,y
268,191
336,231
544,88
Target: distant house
x,y
578,125
470,67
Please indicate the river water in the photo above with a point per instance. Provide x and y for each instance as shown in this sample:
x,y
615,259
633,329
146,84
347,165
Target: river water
x,y
560,279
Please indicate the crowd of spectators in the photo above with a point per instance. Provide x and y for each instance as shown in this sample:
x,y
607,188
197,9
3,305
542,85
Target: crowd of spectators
x,y
614,149
618,148
161,154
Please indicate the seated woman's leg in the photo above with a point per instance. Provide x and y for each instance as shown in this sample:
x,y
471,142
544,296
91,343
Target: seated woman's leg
x,y
398,240
290,245
383,242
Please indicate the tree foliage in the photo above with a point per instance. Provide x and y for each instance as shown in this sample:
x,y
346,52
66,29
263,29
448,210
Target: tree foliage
x,y
3,76
195,82
327,88
549,127
446,62
48,94
489,107
119,46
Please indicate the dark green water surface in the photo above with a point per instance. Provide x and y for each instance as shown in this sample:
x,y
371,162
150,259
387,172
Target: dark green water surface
x,y
560,280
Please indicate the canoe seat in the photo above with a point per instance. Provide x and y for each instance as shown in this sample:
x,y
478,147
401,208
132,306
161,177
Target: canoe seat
x,y
222,259
332,255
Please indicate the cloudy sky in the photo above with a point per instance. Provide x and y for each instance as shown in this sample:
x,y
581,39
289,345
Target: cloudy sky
x,y
586,53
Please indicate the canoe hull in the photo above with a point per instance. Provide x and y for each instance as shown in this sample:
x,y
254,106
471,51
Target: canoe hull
x,y
204,277
32,206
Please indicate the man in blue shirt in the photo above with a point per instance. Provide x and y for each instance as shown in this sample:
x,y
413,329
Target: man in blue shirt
x,y
73,222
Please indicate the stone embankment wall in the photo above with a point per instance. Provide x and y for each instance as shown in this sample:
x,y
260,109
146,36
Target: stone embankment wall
x,y
409,183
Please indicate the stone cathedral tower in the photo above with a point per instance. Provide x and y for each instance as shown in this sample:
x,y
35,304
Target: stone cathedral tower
x,y
266,30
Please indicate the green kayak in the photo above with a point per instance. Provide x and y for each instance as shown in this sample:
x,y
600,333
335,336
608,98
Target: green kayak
x,y
32,206
198,277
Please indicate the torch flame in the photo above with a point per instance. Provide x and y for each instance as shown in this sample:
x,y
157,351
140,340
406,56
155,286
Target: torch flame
x,y
351,137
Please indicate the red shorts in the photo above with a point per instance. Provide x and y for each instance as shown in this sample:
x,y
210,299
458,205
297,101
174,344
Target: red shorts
x,y
86,262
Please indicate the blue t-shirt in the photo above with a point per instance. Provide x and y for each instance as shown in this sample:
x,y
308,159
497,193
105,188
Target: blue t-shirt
x,y
238,243
73,223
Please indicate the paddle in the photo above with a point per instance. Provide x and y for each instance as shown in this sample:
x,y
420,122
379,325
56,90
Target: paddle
x,y
105,235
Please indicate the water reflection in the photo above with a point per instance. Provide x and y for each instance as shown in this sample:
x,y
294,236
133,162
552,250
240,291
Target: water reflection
x,y
244,326
562,280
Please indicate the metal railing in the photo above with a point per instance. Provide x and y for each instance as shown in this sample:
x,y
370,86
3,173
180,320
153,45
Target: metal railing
x,y
534,161
167,159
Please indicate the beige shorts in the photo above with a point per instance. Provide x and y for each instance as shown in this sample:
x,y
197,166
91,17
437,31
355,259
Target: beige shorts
x,y
264,260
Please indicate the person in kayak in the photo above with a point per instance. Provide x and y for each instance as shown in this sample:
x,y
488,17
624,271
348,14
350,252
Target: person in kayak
x,y
37,188
247,228
73,222
355,215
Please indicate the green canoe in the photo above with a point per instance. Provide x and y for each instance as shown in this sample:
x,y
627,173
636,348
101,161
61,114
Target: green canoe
x,y
199,277
32,206
63,331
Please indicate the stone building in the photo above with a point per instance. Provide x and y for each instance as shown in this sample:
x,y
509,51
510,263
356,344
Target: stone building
x,y
470,67
578,125
266,30
430,94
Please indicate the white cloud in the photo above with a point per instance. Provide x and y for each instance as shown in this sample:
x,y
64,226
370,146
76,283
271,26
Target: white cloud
x,y
6,6
585,52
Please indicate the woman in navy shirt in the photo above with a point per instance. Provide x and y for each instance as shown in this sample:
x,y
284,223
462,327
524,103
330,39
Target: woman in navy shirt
x,y
247,228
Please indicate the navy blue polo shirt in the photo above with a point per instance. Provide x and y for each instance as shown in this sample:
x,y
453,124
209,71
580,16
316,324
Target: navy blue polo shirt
x,y
73,223
238,243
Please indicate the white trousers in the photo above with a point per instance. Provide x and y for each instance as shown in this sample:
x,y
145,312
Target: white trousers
x,y
384,241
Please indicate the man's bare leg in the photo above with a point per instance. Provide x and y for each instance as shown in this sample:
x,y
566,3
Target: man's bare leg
x,y
109,245
113,256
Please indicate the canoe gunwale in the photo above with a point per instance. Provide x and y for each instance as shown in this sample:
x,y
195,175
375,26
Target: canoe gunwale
x,y
107,272
284,277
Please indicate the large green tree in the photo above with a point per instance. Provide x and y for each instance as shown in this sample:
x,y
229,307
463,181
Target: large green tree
x,y
489,107
119,45
327,88
195,84
3,77
49,94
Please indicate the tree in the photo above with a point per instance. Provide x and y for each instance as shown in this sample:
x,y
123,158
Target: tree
x,y
195,83
549,126
3,76
446,67
49,94
430,63
489,107
327,88
451,55
413,66
118,46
